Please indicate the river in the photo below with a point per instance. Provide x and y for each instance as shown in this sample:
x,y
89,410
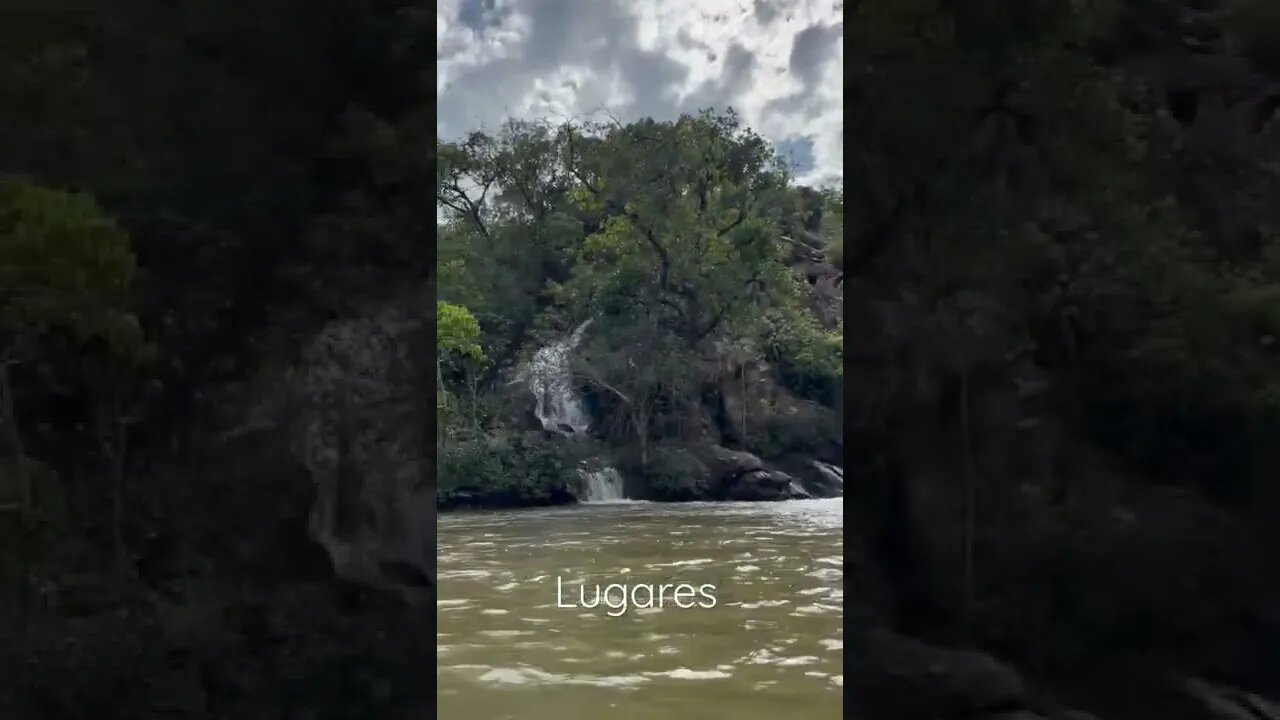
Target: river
x,y
770,647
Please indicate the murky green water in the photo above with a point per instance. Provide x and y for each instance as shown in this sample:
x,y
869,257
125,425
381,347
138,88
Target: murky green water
x,y
770,648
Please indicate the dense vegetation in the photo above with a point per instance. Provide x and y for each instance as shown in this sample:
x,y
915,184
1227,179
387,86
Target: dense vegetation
x,y
1067,415
1061,271
672,238
187,193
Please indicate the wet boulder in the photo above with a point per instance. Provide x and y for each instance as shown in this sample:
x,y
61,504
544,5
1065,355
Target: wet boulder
x,y
738,475
819,479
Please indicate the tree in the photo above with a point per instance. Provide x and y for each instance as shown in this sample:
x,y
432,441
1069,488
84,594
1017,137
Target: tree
x,y
671,232
1026,191
688,213
457,333
66,272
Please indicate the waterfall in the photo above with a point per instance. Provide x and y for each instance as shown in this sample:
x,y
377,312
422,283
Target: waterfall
x,y
548,376
559,408
357,428
603,485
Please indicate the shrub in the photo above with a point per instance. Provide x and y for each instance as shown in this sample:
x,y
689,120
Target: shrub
x,y
674,474
809,428
810,359
509,470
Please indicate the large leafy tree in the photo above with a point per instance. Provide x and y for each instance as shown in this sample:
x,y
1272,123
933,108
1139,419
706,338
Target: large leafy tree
x,y
65,267
688,214
66,275
672,231
458,352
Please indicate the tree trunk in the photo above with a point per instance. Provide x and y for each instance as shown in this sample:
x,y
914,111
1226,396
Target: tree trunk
x,y
441,396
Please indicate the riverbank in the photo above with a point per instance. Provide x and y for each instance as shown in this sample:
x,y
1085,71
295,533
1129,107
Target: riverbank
x,y
536,469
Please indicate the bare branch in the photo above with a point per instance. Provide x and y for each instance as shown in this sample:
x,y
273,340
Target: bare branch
x,y
595,379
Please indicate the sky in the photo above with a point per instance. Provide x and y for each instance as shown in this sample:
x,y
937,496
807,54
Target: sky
x,y
779,63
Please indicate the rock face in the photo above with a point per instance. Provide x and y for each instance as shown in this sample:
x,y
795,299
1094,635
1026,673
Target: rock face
x,y
762,484
363,434
823,289
707,471
737,475
818,478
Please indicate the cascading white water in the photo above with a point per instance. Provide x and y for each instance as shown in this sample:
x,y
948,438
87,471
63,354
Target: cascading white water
x,y
559,408
548,376
603,485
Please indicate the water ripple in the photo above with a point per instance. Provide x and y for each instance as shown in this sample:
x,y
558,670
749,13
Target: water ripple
x,y
772,646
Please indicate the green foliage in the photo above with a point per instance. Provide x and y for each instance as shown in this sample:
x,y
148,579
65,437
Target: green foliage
x,y
459,357
253,175
689,214
640,375
265,171
64,268
1026,189
677,218
833,225
803,431
508,470
666,232
457,332
673,474
810,359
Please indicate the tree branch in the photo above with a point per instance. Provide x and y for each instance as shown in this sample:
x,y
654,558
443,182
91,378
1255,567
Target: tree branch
x,y
469,208
595,379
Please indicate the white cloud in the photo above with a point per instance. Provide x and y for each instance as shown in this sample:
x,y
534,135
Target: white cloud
x,y
779,62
